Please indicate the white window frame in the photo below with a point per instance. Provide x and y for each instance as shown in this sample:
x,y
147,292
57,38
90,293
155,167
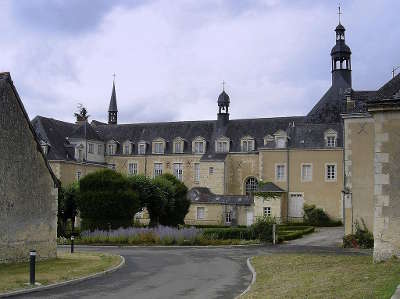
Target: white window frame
x,y
127,149
266,211
303,178
196,172
222,145
199,145
111,148
327,179
142,148
132,168
247,144
228,217
178,170
200,213
278,178
179,145
328,135
100,149
91,148
158,169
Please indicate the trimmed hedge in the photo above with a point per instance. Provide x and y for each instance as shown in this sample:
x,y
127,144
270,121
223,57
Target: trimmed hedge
x,y
286,235
229,233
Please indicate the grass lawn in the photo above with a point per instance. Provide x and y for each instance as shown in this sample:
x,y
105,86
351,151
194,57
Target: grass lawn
x,y
323,276
65,267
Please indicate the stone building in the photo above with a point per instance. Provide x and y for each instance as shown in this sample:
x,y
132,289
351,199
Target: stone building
x,y
300,155
28,187
371,127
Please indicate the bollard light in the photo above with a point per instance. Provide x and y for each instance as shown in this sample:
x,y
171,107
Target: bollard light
x,y
274,233
32,266
72,244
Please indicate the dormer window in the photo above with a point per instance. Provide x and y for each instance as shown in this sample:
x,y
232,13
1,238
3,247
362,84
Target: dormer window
x,y
45,147
222,145
79,152
142,148
127,149
268,138
247,144
111,148
158,146
199,145
330,138
280,139
179,145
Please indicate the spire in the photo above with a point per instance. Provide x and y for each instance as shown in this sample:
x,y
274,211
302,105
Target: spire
x,y
113,110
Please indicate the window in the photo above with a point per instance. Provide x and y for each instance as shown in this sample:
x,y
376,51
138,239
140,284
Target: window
x,y
132,168
228,217
111,149
178,145
280,142
158,169
158,147
142,148
178,171
211,170
199,147
44,149
280,172
330,172
222,146
251,185
78,175
99,149
127,148
331,141
200,213
91,148
197,172
267,211
306,172
247,144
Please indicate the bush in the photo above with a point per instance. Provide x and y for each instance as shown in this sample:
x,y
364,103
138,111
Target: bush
x,y
106,201
290,233
229,233
362,238
67,210
176,204
317,217
262,228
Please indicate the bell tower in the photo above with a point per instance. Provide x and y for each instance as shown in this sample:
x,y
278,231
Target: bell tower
x,y
223,106
341,59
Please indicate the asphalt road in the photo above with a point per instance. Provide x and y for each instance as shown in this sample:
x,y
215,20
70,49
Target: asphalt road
x,y
183,272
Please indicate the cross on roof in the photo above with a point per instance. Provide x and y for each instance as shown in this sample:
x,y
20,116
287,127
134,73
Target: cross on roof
x,y
114,76
223,85
339,12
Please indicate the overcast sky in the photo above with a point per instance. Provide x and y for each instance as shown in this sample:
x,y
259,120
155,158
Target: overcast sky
x,y
170,57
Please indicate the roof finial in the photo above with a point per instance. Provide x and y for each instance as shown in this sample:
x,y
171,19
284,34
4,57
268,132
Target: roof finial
x,y
223,85
114,77
339,12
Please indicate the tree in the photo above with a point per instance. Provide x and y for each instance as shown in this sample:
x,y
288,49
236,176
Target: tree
x,y
82,114
176,202
150,196
67,207
106,200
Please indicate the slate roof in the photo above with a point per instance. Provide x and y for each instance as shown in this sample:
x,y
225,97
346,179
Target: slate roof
x,y
204,195
223,99
85,130
390,90
6,83
270,187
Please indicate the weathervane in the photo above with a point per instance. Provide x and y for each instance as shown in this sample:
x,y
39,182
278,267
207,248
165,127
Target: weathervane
x,y
223,85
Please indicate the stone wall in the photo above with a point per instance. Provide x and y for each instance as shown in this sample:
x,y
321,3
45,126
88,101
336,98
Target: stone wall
x,y
28,197
387,185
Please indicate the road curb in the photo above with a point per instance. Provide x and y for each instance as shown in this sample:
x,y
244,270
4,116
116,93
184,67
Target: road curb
x,y
396,294
253,279
64,283
164,246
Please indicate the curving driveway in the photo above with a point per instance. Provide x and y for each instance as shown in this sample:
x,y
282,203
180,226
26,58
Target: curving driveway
x,y
177,272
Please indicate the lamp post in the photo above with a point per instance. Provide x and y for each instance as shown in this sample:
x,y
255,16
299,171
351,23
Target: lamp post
x,y
72,244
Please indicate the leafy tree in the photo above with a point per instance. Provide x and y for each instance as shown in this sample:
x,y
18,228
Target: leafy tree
x,y
82,113
176,202
106,200
67,207
150,196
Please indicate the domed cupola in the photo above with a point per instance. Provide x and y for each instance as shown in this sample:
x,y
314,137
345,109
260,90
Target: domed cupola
x,y
341,59
223,107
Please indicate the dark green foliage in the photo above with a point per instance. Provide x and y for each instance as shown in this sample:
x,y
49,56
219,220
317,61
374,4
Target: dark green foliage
x,y
106,200
229,233
262,228
317,217
286,233
67,209
176,204
150,196
362,238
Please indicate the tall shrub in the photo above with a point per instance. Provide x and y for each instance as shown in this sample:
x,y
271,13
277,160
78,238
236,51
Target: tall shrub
x,y
67,208
176,203
106,200
150,196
